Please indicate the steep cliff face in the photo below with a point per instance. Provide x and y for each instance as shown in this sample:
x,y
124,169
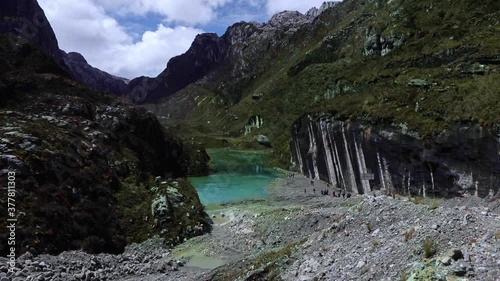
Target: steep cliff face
x,y
26,22
361,158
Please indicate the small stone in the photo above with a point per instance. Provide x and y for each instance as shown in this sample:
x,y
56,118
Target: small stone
x,y
445,260
487,236
89,275
455,254
459,270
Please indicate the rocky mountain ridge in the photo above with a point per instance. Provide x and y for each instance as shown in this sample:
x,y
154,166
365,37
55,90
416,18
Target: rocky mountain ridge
x,y
211,54
27,21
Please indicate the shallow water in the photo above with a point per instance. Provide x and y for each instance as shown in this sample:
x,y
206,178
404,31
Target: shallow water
x,y
197,259
239,175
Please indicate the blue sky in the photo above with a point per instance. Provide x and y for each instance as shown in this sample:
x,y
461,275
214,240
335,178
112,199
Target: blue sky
x,y
131,38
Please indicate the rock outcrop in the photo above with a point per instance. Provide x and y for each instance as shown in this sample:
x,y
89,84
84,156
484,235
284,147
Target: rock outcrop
x,y
360,157
315,12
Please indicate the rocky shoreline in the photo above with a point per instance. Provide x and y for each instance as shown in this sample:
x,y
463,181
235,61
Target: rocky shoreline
x,y
306,236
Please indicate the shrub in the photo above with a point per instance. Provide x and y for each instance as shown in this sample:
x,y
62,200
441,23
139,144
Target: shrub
x,y
429,247
409,234
403,276
434,204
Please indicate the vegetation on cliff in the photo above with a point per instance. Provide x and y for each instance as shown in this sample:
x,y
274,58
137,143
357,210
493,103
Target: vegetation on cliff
x,y
85,163
423,65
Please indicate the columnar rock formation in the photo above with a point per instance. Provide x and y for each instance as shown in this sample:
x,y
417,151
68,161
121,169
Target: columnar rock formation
x,y
361,158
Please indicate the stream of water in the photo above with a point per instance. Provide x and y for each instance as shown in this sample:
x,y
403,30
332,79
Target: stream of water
x,y
238,175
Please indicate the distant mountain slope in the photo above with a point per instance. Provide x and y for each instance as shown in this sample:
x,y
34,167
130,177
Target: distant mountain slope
x,y
426,65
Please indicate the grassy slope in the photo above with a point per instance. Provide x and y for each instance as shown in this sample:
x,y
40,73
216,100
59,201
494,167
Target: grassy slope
x,y
441,40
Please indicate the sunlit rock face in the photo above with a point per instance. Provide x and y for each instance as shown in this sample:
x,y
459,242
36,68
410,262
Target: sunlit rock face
x,y
362,158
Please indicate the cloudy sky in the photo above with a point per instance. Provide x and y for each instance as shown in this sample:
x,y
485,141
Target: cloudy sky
x,y
130,38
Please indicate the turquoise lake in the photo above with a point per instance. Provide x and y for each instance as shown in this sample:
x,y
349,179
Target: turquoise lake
x,y
238,175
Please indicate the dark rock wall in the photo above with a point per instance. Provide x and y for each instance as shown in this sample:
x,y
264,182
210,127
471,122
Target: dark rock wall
x,y
206,52
99,80
26,21
361,158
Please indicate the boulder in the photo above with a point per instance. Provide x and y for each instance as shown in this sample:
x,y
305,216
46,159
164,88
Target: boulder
x,y
454,254
160,208
263,140
421,83
174,195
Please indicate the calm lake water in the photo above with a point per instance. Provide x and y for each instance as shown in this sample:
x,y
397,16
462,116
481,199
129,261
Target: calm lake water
x,y
239,175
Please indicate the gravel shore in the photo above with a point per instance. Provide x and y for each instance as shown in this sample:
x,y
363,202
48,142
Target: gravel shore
x,y
297,235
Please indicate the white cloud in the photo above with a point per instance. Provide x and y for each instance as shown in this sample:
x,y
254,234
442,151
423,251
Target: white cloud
x,y
124,49
85,27
275,6
190,12
151,54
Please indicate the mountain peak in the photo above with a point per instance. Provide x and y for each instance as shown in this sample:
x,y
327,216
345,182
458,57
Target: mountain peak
x,y
315,12
287,19
77,57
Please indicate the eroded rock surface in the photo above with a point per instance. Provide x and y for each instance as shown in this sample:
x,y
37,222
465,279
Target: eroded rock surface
x,y
361,157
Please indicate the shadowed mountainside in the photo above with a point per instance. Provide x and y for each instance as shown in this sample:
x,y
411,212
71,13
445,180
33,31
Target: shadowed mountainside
x,y
25,21
85,164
